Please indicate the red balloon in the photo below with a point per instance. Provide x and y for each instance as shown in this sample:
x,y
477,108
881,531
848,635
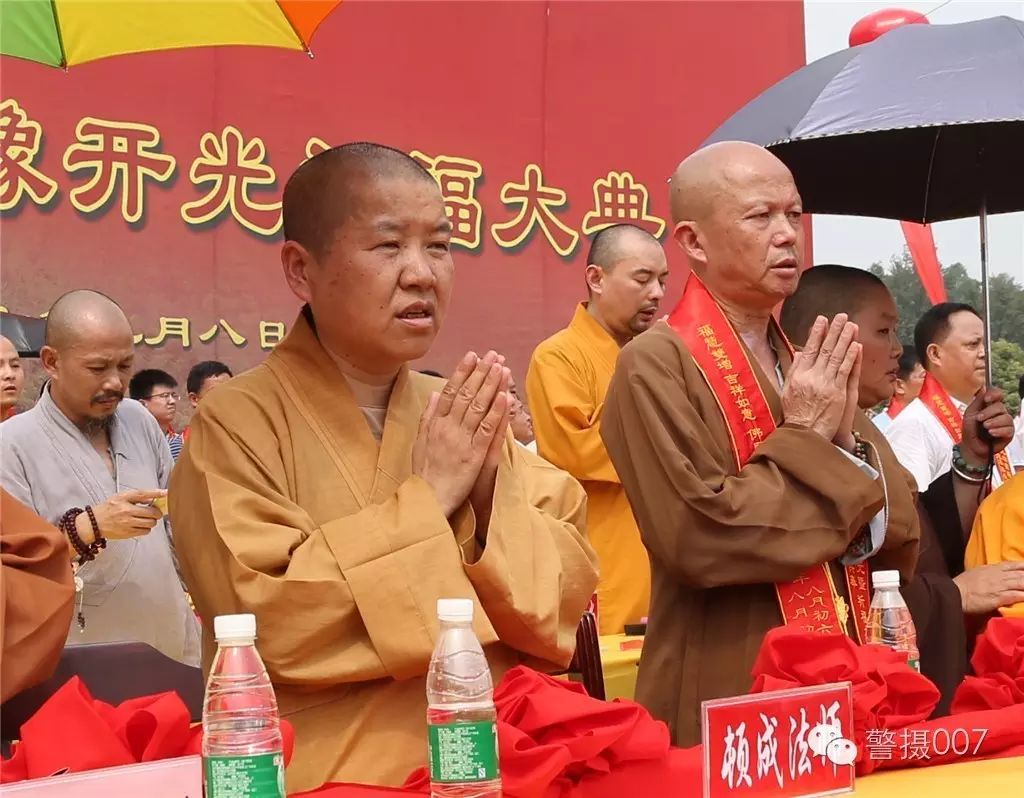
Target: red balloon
x,y
874,25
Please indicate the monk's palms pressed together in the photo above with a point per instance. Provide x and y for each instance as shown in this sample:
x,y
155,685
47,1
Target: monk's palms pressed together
x,y
461,435
820,391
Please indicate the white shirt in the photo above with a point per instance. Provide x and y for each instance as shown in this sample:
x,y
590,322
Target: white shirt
x,y
530,447
877,525
1015,451
922,444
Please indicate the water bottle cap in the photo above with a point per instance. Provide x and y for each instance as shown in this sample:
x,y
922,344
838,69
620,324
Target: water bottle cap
x,y
455,609
885,579
235,627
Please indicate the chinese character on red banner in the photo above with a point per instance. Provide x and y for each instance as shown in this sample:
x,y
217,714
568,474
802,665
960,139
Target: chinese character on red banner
x,y
124,152
315,146
20,138
233,167
619,199
236,338
457,179
171,327
271,334
536,209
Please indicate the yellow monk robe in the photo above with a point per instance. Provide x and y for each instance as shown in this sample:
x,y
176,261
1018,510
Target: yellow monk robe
x,y
998,533
566,386
285,506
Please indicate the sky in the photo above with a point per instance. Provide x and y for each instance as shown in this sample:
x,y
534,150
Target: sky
x,y
859,241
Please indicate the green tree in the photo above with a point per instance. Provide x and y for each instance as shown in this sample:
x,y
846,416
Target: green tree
x,y
1007,298
1005,293
902,281
1007,369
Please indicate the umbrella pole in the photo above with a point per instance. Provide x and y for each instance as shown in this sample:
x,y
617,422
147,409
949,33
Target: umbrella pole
x,y
986,307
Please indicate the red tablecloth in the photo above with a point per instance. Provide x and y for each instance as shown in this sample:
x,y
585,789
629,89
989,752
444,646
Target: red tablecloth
x,y
557,742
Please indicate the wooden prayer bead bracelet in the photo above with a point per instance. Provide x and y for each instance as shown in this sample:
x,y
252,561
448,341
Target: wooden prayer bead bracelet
x,y
86,553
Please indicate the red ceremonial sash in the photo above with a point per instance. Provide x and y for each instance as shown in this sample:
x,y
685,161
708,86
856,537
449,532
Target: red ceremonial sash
x,y
811,601
895,407
937,400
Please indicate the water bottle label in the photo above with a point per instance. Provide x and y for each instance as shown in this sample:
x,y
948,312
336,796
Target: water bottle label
x,y
461,752
258,776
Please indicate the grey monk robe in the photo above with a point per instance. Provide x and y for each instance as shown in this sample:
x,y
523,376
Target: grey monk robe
x,y
719,538
132,589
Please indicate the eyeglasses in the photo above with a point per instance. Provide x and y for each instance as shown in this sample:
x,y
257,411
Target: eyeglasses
x,y
165,396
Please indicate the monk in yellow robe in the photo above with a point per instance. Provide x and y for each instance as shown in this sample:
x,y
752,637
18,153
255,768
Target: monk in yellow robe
x,y
567,383
338,495
998,537
739,457
37,595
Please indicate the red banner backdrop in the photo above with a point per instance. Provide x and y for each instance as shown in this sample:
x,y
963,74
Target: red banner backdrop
x,y
156,178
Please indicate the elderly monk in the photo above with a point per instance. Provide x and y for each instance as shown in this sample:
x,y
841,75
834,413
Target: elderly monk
x,y
998,537
739,458
37,594
937,599
567,383
87,457
337,494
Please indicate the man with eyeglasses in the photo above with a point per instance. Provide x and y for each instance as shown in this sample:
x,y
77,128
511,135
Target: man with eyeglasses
x,y
158,391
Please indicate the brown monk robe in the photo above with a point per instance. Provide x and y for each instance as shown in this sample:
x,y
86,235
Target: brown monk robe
x,y
37,596
317,493
721,536
937,600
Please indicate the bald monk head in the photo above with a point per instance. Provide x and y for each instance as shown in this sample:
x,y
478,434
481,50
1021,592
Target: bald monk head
x,y
367,248
12,377
737,217
829,290
626,274
88,356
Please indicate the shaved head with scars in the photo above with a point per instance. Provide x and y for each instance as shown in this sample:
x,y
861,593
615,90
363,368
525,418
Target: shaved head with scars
x,y
737,216
88,356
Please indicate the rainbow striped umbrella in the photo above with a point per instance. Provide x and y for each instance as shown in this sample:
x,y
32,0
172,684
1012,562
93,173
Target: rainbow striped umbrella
x,y
65,33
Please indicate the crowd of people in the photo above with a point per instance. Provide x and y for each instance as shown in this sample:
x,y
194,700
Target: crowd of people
x,y
694,472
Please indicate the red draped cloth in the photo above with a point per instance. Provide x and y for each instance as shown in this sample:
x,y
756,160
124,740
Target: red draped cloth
x,y
889,695
557,742
73,732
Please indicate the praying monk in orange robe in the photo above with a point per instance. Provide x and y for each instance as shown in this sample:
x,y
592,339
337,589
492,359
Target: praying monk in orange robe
x,y
37,594
337,494
567,383
739,457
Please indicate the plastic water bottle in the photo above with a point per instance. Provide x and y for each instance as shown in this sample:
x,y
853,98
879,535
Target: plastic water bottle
x,y
242,745
462,727
889,621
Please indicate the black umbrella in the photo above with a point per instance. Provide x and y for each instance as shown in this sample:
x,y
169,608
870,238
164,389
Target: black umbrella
x,y
926,123
25,332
